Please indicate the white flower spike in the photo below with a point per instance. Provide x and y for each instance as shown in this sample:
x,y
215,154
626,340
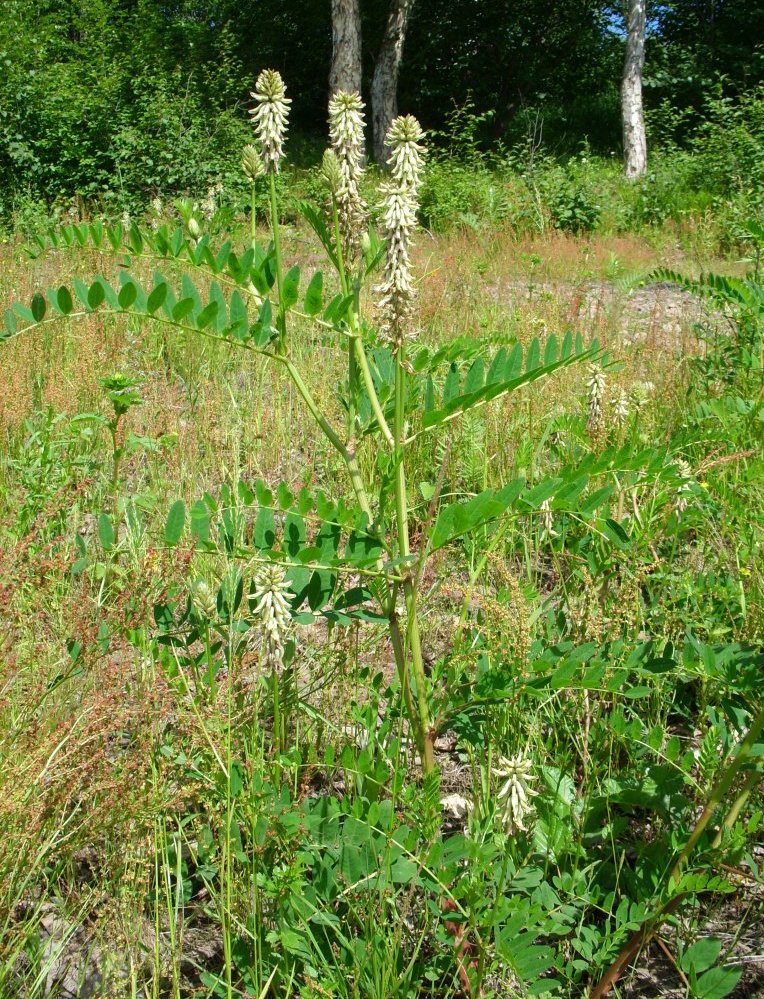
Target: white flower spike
x,y
272,608
346,132
271,117
513,799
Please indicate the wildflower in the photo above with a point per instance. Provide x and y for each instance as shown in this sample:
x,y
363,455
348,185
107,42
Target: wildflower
x,y
400,205
595,388
251,163
346,125
621,408
271,117
547,520
514,795
407,157
204,601
194,229
398,222
272,607
210,203
685,487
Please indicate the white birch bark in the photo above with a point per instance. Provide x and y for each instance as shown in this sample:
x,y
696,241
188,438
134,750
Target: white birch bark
x,y
384,84
634,140
345,73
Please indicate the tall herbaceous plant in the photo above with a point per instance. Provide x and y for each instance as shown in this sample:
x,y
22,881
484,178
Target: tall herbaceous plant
x,y
313,556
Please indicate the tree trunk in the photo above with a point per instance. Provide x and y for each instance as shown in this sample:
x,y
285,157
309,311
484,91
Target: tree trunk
x,y
345,73
634,140
384,85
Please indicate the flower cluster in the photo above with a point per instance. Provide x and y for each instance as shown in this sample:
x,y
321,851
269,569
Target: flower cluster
x,y
547,520
406,160
685,488
513,799
346,132
621,408
595,387
272,608
271,117
399,211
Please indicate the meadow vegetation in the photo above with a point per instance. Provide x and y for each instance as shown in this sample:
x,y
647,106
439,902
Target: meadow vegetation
x,y
399,650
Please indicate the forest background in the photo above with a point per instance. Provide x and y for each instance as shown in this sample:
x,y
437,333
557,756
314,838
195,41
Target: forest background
x,y
120,101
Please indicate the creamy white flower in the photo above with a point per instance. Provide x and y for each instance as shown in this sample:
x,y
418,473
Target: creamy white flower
x,y
346,132
685,487
272,608
210,203
407,156
595,388
271,117
547,520
398,222
621,408
513,799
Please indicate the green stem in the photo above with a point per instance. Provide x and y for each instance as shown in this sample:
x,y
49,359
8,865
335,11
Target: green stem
x,y
116,455
363,364
253,219
277,734
399,652
422,720
348,457
720,790
281,320
737,807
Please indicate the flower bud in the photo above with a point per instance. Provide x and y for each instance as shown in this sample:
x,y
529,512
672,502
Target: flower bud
x,y
251,163
204,601
330,171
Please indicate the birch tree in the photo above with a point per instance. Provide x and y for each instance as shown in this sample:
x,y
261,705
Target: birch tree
x,y
345,73
384,84
634,140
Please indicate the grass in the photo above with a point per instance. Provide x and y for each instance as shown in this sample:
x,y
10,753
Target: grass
x,y
160,840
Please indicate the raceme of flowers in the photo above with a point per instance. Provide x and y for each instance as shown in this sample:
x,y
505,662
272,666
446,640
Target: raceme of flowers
x,y
346,132
271,593
595,389
513,800
271,117
399,212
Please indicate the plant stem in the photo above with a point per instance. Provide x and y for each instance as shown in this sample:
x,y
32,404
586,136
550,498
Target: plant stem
x,y
356,343
348,456
422,720
253,218
277,734
279,263
721,788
